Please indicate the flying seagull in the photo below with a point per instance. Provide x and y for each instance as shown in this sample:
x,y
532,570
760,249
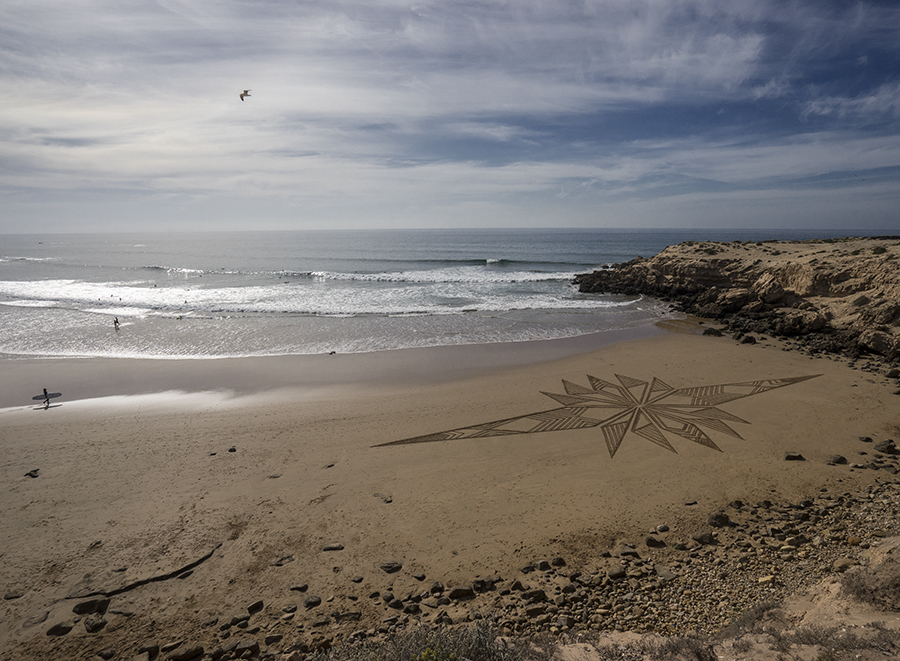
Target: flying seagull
x,y
245,93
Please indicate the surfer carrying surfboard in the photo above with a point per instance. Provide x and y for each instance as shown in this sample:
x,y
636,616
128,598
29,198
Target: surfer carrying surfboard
x,y
46,397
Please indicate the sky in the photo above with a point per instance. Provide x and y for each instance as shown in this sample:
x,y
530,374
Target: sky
x,y
125,114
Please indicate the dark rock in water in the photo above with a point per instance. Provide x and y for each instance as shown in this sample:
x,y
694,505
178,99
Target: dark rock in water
x,y
60,628
391,567
312,601
794,456
718,520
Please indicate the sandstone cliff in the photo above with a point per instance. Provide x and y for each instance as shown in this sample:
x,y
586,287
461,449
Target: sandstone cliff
x,y
837,295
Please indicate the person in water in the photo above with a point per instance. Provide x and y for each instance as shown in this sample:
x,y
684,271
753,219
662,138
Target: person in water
x,y
116,323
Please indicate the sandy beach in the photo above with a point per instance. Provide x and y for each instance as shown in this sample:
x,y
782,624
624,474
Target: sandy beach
x,y
243,471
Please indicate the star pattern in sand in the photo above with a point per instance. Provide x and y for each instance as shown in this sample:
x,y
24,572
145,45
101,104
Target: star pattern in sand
x,y
652,410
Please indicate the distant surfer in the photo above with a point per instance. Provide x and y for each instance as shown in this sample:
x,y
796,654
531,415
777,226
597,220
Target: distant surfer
x,y
46,397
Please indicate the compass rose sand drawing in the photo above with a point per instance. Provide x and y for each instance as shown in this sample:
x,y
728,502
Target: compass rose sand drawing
x,y
652,410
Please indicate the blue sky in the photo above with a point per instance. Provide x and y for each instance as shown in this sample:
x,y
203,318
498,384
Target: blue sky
x,y
125,115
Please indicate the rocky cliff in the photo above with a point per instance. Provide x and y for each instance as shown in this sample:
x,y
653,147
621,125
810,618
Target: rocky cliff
x,y
835,295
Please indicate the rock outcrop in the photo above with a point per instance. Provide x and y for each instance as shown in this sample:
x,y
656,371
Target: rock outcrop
x,y
836,295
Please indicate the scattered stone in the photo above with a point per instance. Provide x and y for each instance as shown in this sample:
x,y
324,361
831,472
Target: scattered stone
x,y
312,601
886,447
106,654
837,460
34,620
171,647
461,592
391,567
186,652
94,622
387,500
843,564
273,638
419,577
61,628
281,561
255,607
653,541
300,588
232,449
718,520
704,537
333,547
151,650
793,456
33,473
244,646
15,593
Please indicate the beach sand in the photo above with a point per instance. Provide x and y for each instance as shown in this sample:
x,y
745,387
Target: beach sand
x,y
262,462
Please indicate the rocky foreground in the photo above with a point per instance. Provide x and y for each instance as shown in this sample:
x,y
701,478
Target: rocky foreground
x,y
673,582
836,295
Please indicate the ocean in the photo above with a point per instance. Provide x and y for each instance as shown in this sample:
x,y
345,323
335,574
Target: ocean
x,y
229,294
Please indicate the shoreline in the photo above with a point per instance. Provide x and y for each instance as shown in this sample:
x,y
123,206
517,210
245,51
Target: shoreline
x,y
265,485
81,378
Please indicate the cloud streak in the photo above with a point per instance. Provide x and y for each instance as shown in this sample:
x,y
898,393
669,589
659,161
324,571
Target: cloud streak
x,y
462,114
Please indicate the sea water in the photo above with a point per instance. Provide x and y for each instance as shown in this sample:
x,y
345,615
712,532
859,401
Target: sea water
x,y
208,295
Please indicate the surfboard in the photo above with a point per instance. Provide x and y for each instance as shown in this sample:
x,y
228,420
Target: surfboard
x,y
49,395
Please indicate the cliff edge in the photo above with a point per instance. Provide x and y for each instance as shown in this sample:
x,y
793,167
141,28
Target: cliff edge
x,y
833,295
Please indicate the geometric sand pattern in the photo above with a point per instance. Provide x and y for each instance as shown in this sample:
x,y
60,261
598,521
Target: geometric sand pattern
x,y
652,410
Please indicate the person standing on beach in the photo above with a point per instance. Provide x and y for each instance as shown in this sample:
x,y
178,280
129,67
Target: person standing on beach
x,y
116,323
46,399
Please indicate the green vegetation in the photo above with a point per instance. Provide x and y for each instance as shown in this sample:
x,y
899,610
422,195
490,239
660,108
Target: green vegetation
x,y
879,250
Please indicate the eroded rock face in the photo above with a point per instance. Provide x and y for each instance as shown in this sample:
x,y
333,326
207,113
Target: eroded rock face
x,y
846,292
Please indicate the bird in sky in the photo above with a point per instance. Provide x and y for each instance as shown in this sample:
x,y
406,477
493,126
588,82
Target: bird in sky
x,y
245,93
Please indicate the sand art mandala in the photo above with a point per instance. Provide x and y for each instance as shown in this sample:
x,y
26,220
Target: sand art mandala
x,y
652,410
